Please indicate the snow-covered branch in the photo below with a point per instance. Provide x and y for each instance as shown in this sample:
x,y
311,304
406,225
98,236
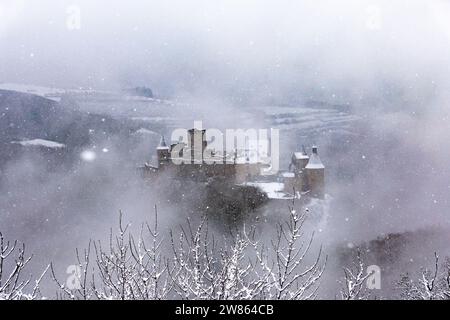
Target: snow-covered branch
x,y
129,269
431,285
354,284
13,284
242,268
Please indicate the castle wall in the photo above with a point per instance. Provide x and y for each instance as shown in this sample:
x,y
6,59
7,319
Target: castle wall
x,y
290,182
300,164
220,169
300,183
197,144
244,171
307,173
163,155
316,182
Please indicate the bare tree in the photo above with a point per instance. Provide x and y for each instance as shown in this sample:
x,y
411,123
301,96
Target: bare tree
x,y
246,269
354,283
80,290
432,285
236,267
446,282
13,285
194,262
283,262
205,271
127,270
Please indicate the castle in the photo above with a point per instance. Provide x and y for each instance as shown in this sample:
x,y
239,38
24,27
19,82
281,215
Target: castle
x,y
194,160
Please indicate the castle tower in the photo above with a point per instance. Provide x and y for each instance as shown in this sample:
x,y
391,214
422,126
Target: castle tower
x,y
298,164
197,145
315,175
300,160
163,153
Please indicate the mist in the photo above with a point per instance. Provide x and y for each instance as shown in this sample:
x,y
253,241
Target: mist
x,y
351,52
387,62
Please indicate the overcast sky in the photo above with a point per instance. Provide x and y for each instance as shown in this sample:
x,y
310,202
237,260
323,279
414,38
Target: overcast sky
x,y
226,46
369,53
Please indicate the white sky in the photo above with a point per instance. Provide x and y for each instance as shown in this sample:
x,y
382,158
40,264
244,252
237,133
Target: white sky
x,y
179,45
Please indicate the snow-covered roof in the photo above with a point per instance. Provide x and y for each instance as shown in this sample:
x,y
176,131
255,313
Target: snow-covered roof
x,y
314,161
300,155
162,144
144,131
288,174
40,143
274,190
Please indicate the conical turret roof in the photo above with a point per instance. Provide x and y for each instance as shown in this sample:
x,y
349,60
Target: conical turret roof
x,y
314,161
162,144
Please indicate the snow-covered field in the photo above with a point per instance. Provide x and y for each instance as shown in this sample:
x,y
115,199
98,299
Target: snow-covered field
x,y
47,92
172,114
40,143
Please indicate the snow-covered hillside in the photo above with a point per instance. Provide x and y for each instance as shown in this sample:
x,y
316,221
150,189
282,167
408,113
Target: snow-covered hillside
x,y
40,143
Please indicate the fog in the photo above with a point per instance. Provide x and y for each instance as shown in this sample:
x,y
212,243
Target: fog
x,y
354,50
389,61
